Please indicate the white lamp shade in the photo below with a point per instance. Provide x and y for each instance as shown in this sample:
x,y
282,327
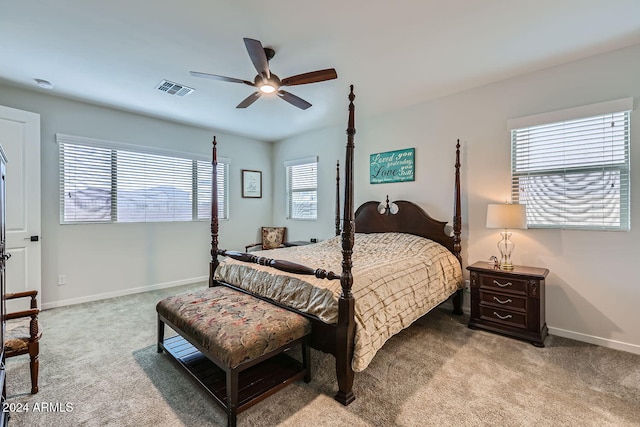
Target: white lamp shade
x,y
506,216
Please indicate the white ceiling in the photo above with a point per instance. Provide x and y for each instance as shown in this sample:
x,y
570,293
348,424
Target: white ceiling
x,y
396,53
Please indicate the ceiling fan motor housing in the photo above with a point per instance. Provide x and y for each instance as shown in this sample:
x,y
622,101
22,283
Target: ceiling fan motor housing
x,y
272,81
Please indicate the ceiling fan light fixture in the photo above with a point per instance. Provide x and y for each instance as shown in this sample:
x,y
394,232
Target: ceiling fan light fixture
x,y
267,88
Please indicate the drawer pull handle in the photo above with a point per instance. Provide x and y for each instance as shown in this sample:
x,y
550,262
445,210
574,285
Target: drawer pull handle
x,y
502,285
507,301
508,316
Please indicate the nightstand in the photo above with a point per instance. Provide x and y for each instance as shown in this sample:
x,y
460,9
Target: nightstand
x,y
509,302
297,243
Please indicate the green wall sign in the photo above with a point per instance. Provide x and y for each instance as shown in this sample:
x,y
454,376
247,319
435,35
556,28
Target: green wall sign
x,y
392,166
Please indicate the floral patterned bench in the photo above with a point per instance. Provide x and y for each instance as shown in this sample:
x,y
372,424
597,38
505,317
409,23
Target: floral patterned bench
x,y
242,336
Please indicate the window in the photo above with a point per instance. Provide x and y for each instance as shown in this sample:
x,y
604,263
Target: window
x,y
302,188
571,168
103,181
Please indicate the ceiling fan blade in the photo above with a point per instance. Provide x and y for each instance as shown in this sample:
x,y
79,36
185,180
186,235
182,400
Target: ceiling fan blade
x,y
294,100
312,77
249,100
221,78
258,56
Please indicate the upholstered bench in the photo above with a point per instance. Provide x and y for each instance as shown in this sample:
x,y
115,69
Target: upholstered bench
x,y
243,336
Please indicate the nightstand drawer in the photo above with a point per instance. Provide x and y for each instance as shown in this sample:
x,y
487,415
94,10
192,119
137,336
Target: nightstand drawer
x,y
503,284
505,317
502,301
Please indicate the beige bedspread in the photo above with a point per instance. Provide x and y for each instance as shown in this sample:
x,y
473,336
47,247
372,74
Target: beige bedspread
x,y
397,279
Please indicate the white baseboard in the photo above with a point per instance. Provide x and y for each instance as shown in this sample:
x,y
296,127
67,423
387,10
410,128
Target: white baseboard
x,y
603,342
80,300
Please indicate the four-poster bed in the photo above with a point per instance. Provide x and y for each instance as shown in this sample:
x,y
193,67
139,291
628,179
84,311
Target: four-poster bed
x,y
424,251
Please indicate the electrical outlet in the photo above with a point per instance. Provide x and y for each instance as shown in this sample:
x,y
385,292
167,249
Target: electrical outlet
x,y
467,286
62,279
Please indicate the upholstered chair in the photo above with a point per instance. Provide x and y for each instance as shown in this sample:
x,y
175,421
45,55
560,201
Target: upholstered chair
x,y
272,238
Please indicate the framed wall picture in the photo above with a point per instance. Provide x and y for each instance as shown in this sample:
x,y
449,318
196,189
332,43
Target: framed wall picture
x,y
392,166
251,184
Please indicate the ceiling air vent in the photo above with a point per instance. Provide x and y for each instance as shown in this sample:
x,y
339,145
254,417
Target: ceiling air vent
x,y
174,88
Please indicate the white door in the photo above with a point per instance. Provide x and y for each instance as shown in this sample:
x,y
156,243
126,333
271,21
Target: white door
x,y
20,138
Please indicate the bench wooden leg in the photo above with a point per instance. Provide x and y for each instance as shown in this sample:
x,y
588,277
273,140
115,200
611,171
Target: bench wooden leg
x,y
160,334
232,397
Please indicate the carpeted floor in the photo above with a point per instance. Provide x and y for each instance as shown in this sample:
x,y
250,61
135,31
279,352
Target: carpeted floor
x,y
99,367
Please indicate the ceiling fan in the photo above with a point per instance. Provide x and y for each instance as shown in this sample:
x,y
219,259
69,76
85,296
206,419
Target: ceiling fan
x,y
266,82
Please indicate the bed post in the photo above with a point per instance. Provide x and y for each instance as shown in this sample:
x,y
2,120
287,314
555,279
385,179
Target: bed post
x,y
338,198
345,330
213,264
457,227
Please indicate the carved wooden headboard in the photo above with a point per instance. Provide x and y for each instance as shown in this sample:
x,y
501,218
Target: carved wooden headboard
x,y
410,219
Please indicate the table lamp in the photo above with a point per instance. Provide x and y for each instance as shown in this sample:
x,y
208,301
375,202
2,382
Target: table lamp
x,y
506,216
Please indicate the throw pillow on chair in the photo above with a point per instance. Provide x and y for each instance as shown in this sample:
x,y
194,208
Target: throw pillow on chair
x,y
272,237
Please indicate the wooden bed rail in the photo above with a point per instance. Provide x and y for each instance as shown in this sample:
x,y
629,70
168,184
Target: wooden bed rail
x,y
287,266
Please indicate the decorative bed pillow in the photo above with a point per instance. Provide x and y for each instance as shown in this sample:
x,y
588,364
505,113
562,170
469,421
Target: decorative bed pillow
x,y
272,237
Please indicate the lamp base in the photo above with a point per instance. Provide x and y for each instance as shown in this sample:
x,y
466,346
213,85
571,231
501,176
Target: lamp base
x,y
506,248
507,267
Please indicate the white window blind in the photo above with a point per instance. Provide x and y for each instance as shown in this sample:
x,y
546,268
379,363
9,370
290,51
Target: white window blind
x,y
574,173
103,181
302,188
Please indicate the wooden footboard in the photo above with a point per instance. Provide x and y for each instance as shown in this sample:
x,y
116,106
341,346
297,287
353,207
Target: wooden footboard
x,y
286,266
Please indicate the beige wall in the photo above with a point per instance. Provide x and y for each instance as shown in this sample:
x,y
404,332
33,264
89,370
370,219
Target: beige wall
x,y
592,291
104,260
